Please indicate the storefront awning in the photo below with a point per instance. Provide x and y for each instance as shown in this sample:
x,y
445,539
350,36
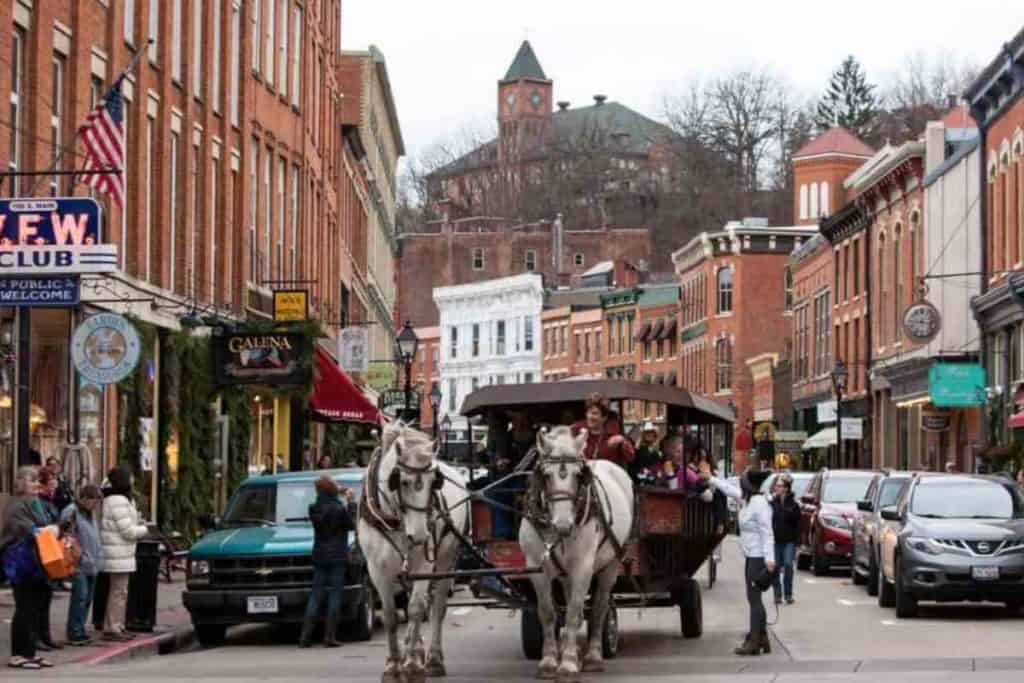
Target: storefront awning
x,y
659,327
335,396
670,329
1017,420
641,334
823,439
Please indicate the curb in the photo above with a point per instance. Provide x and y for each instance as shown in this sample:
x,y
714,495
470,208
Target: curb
x,y
173,640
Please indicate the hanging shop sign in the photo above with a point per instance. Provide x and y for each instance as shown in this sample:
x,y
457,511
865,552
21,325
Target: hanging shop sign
x,y
392,403
921,322
935,421
105,348
852,429
956,385
39,291
381,374
53,236
352,343
826,412
260,358
291,305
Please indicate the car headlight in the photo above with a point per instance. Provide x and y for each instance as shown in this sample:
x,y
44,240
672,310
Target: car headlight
x,y
835,522
198,569
925,545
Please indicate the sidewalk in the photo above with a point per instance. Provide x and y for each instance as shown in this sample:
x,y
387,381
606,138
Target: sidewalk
x,y
173,629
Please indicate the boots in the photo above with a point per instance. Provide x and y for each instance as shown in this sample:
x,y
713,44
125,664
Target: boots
x,y
330,631
306,636
749,647
766,643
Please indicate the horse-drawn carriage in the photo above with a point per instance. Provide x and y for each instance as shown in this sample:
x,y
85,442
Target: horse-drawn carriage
x,y
674,532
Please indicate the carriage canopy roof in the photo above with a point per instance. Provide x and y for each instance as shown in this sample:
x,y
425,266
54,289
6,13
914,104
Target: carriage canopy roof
x,y
547,400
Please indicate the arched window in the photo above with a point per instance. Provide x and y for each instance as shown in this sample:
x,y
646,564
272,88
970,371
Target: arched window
x,y
897,280
725,289
814,200
787,283
803,202
915,246
883,287
824,198
723,361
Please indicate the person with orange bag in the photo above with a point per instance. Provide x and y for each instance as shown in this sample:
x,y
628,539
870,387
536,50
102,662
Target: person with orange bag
x,y
47,511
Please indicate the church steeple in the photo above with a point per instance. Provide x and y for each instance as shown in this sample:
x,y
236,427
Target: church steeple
x,y
524,104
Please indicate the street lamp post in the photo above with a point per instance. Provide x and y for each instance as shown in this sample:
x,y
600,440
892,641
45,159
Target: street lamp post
x,y
406,344
435,404
839,375
446,426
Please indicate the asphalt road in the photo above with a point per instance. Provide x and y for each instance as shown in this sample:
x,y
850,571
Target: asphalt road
x,y
834,632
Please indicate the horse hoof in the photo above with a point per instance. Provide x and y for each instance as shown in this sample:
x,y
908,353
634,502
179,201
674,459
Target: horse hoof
x,y
568,672
391,677
593,664
435,668
547,670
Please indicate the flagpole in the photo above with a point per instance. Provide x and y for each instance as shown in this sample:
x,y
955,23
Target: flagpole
x,y
74,141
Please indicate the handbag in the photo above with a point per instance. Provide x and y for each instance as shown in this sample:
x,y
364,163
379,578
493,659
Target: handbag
x,y
763,580
20,562
54,555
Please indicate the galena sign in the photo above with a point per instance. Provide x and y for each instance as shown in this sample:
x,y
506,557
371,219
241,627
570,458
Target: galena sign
x,y
57,236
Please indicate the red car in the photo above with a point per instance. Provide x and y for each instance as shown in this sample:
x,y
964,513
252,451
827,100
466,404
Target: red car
x,y
826,526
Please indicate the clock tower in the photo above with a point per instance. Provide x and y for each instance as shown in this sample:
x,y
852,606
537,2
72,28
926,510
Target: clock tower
x,y
524,104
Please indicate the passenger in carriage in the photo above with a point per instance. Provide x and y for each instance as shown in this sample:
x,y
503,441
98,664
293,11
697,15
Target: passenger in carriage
x,y
604,433
648,455
510,448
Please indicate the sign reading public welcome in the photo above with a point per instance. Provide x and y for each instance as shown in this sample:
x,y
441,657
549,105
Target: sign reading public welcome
x,y
39,291
53,236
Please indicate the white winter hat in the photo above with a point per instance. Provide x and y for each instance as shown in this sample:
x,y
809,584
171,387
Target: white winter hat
x,y
649,427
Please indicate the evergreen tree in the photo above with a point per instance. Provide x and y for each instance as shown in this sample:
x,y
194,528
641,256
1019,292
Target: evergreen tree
x,y
849,102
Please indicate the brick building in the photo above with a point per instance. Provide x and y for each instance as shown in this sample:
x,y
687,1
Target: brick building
x,y
452,252
556,356
240,177
734,305
426,371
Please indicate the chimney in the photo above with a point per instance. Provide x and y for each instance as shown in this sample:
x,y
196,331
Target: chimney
x,y
600,99
934,145
563,105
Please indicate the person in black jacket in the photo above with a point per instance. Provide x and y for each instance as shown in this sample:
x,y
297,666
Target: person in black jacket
x,y
332,522
786,526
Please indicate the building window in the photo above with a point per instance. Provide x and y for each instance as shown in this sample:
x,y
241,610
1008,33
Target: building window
x,y
814,200
897,265
647,349
172,219
883,278
147,267
453,342
597,345
478,258
176,37
531,260
154,30
725,290
563,334
579,346
672,346
296,53
216,29
527,378
60,63
452,398
855,267
578,259
586,347
17,88
294,201
197,49
282,47
499,338
723,358
824,198
803,202
476,340
915,231
235,65
129,21
254,252
268,48
215,220
257,35
282,216
787,284
528,333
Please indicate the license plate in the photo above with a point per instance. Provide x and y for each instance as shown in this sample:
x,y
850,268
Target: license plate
x,y
985,573
262,604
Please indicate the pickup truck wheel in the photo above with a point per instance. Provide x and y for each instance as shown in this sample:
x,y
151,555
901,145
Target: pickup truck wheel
x,y
210,635
1014,606
906,603
819,563
856,578
362,625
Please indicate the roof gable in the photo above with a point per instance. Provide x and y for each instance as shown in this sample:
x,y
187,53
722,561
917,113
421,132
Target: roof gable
x,y
835,140
525,65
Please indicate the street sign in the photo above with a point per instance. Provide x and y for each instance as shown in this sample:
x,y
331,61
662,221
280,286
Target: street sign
x,y
935,421
392,403
39,291
55,221
852,429
291,305
921,322
826,412
58,260
105,348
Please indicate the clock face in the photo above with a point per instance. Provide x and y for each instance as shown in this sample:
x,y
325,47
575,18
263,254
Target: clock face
x,y
922,322
536,99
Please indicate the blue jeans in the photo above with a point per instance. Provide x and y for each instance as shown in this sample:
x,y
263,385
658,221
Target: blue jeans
x,y
82,589
782,584
328,583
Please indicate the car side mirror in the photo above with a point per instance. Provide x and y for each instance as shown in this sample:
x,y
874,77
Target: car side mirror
x,y
208,522
865,506
890,514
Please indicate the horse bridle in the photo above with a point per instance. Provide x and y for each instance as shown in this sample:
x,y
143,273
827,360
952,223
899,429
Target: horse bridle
x,y
394,485
583,486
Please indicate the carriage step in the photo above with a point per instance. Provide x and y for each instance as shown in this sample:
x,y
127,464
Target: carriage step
x,y
471,573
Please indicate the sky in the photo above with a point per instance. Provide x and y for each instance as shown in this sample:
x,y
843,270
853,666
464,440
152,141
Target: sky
x,y
445,57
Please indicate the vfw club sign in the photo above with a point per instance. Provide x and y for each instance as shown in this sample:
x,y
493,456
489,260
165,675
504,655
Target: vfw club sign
x,y
58,236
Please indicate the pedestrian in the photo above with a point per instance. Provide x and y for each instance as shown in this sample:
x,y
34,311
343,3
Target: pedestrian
x,y
604,433
62,495
82,519
120,529
46,511
324,463
332,522
1020,480
648,457
20,522
786,526
757,541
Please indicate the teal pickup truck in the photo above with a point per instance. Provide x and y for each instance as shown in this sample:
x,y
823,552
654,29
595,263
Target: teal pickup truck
x,y
255,565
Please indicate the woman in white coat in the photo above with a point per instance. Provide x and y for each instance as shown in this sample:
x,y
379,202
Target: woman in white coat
x,y
119,530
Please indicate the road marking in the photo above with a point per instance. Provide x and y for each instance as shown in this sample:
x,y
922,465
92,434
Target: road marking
x,y
854,603
461,611
811,581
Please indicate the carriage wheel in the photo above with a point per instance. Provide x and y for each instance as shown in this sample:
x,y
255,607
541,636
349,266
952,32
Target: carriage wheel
x,y
532,634
691,612
610,634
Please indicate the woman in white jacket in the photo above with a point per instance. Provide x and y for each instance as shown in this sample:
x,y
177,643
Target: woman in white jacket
x,y
119,531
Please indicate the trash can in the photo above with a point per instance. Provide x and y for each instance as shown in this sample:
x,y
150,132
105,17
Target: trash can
x,y
140,614
99,601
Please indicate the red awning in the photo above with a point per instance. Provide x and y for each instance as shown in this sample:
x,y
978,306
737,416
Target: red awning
x,y
1017,420
336,398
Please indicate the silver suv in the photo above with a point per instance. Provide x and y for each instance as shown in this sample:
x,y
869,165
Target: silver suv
x,y
883,491
952,538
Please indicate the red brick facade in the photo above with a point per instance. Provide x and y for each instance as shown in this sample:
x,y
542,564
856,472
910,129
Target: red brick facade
x,y
812,348
426,370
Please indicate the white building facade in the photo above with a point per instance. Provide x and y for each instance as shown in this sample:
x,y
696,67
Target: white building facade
x,y
490,334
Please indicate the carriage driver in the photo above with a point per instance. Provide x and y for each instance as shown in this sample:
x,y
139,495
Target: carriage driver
x,y
604,433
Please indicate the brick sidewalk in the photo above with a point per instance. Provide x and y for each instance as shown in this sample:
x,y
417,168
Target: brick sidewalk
x,y
171,618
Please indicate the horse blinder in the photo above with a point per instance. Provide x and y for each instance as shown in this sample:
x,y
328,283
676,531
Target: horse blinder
x,y
394,480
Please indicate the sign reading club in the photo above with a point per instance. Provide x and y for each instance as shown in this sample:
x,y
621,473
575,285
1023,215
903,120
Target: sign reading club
x,y
59,236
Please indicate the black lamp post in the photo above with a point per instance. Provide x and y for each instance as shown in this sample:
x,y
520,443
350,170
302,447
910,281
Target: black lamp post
x,y
839,375
405,349
446,427
435,403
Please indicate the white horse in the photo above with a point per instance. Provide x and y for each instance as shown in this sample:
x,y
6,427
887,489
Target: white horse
x,y
407,525
587,512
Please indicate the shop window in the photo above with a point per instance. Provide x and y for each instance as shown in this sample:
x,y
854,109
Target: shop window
x,y
478,258
531,260
724,276
578,259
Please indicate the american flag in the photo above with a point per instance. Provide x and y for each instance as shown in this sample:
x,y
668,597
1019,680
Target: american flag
x,y
103,134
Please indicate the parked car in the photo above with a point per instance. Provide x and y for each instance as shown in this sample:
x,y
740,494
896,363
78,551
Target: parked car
x,y
256,564
801,480
828,506
952,538
884,490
